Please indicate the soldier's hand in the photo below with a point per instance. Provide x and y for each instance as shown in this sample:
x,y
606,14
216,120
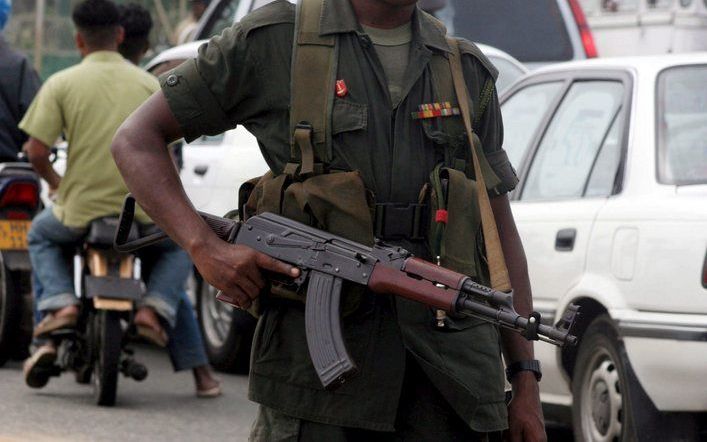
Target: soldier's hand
x,y
237,271
525,415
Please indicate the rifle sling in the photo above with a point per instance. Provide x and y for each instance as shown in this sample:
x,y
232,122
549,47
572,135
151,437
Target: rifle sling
x,y
494,252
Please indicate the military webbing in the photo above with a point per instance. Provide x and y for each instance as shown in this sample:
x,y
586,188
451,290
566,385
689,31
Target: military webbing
x,y
494,252
312,89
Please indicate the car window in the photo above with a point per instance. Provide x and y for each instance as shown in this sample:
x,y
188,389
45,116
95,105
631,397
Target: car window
x,y
222,18
603,176
682,125
522,114
528,30
569,148
507,72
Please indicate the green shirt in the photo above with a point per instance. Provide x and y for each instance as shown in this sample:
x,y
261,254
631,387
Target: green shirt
x,y
87,103
393,50
243,77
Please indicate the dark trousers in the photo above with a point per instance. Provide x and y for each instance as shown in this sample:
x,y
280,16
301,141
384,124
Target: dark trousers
x,y
423,415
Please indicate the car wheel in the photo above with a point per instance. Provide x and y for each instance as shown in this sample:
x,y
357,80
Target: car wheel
x,y
228,332
601,386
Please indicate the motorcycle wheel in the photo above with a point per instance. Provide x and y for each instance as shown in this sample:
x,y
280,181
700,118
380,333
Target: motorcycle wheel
x,y
10,315
108,338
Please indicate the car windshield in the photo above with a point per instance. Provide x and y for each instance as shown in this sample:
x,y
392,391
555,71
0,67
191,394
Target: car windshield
x,y
531,31
682,125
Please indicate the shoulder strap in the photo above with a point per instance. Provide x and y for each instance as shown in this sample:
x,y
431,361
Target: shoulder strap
x,y
312,88
494,253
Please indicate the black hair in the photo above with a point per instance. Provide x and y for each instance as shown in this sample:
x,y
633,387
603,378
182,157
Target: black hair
x,y
97,21
137,23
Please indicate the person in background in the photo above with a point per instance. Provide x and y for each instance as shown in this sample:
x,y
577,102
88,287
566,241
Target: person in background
x,y
87,103
185,29
137,24
18,85
185,344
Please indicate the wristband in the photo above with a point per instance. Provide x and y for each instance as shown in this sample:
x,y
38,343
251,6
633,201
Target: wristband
x,y
531,365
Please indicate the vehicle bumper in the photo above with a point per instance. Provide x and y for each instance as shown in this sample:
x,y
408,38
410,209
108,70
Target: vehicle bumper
x,y
668,353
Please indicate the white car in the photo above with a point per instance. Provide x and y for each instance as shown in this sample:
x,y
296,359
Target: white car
x,y
612,210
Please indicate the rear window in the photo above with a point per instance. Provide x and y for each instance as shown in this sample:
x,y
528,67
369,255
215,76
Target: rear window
x,y
531,31
682,125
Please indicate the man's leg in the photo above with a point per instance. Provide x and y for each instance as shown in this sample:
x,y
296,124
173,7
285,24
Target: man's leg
x,y
168,276
47,239
53,287
186,349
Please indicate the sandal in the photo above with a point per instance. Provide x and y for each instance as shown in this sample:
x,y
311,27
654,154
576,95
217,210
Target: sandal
x,y
157,337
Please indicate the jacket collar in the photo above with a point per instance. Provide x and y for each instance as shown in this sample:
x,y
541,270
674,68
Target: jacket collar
x,y
339,17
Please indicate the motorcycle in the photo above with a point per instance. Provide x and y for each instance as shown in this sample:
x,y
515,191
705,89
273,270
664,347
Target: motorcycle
x,y
19,203
108,284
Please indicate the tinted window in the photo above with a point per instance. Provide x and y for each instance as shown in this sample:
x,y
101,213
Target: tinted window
x,y
222,18
569,148
522,114
528,30
682,125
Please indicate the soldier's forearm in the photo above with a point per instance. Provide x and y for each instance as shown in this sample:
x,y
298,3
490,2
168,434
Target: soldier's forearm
x,y
515,347
140,151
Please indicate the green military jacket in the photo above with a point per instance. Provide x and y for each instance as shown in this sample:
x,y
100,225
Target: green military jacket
x,y
243,77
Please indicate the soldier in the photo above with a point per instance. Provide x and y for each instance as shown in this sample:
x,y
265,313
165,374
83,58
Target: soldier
x,y
417,381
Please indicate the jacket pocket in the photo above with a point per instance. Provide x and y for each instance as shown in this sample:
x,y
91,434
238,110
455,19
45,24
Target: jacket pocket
x,y
348,116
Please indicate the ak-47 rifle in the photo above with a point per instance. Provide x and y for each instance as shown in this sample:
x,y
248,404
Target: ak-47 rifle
x,y
325,260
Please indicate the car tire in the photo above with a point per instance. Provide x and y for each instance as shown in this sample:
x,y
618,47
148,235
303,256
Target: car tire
x,y
609,402
227,332
10,315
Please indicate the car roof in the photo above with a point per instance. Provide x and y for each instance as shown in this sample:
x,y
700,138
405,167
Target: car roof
x,y
639,63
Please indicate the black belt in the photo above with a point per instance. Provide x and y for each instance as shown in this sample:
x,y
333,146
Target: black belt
x,y
395,221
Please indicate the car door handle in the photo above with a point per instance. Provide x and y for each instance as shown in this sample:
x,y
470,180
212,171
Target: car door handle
x,y
564,241
201,169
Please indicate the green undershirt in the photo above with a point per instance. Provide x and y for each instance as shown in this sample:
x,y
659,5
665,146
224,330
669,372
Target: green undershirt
x,y
393,49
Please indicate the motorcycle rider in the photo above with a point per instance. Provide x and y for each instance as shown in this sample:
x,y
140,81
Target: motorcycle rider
x,y
18,85
88,102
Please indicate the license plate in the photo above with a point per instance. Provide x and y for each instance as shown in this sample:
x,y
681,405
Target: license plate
x,y
13,234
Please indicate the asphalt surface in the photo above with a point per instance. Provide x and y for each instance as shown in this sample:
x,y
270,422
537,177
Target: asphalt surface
x,y
161,408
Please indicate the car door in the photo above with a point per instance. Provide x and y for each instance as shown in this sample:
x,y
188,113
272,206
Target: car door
x,y
568,168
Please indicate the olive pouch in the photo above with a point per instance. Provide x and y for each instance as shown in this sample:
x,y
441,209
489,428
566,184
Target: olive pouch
x,y
455,234
335,202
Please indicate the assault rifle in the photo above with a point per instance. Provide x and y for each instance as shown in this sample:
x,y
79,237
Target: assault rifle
x,y
325,260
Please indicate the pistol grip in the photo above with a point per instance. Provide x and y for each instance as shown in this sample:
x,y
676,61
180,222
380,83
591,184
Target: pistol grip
x,y
322,322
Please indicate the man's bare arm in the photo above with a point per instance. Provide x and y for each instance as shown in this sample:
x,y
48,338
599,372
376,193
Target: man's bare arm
x,y
525,414
140,151
39,155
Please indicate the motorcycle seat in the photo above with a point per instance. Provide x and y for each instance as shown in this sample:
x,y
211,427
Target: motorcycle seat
x,y
101,232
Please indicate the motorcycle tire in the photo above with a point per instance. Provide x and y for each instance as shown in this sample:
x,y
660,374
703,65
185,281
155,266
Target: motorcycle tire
x,y
10,315
108,341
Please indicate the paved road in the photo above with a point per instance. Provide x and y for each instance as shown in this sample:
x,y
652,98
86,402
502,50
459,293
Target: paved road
x,y
161,408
